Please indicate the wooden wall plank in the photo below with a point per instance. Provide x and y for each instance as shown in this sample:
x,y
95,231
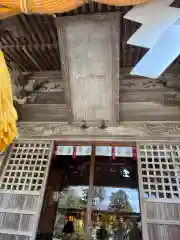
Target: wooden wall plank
x,y
142,96
49,98
43,112
148,111
137,111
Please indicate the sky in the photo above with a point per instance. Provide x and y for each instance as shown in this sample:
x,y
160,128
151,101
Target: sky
x,y
132,194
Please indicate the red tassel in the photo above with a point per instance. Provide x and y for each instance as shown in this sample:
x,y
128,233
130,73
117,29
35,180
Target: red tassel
x,y
113,153
134,154
74,152
55,152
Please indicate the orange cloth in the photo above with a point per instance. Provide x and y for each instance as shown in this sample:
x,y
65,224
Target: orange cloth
x,y
13,7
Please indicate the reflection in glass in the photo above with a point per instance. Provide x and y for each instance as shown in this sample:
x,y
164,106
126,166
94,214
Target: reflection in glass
x,y
115,199
107,204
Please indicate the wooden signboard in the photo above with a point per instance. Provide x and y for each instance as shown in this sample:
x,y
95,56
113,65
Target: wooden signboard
x,y
89,50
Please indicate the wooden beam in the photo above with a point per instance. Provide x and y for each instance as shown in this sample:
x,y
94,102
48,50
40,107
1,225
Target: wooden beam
x,y
126,131
98,143
148,111
31,58
55,110
47,74
156,96
50,97
90,191
43,112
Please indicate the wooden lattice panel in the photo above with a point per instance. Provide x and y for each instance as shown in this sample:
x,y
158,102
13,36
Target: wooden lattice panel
x,y
26,167
160,170
22,187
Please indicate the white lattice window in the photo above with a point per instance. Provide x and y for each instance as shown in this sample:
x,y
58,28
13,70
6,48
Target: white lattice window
x,y
160,170
22,187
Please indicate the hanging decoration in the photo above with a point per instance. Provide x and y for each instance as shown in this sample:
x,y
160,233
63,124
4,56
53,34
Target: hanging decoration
x,y
84,151
64,150
8,115
10,8
157,33
109,151
56,150
74,152
113,153
134,154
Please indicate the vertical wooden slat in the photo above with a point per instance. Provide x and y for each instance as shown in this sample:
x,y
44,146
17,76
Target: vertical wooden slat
x,y
90,191
141,196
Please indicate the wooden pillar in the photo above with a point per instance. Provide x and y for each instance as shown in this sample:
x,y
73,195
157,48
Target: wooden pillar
x,y
90,191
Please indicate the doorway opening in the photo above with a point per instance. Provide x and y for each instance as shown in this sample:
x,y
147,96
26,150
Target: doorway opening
x,y
114,195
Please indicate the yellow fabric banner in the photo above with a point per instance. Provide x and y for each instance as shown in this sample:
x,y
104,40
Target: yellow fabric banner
x,y
8,115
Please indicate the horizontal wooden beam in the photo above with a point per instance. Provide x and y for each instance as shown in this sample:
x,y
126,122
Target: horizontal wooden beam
x,y
132,88
127,131
50,97
125,77
46,74
142,96
43,112
55,110
148,111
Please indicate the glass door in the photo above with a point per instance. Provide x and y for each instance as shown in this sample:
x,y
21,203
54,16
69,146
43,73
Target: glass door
x,y
95,186
72,197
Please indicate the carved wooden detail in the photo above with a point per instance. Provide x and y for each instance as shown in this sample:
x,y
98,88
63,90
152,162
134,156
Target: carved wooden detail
x,y
41,97
136,83
131,130
89,50
172,98
27,86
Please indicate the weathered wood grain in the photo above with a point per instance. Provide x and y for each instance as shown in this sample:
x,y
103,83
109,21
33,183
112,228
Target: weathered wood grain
x,y
137,83
140,99
126,131
156,96
172,98
48,98
54,110
148,111
90,64
43,112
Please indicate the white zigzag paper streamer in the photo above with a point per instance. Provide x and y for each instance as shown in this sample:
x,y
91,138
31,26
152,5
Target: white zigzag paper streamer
x,y
159,32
